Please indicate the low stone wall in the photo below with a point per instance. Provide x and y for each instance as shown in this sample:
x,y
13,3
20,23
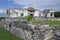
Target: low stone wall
x,y
39,32
24,34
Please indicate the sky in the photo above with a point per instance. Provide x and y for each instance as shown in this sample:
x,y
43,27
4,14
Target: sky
x,y
38,4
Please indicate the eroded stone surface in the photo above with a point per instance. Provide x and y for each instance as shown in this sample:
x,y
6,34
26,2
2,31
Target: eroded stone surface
x,y
35,31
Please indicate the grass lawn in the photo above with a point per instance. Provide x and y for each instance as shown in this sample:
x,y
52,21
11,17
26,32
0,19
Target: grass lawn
x,y
50,22
6,35
55,22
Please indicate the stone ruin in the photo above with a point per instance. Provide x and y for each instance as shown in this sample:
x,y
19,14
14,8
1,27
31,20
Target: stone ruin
x,y
34,31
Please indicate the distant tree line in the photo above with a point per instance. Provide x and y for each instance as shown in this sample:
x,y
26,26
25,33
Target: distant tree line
x,y
57,14
1,18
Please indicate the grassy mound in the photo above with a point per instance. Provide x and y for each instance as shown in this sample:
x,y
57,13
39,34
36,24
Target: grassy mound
x,y
6,35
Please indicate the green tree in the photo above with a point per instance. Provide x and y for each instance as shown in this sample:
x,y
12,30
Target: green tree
x,y
29,18
57,14
1,18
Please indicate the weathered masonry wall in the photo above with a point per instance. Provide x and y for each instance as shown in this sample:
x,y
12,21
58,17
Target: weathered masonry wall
x,y
40,32
25,34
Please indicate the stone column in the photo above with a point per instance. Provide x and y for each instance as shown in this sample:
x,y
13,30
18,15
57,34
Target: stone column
x,y
53,15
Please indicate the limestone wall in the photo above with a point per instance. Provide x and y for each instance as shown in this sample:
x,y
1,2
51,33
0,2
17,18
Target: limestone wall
x,y
40,32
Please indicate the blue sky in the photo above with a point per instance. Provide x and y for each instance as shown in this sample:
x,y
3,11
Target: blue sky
x,y
39,4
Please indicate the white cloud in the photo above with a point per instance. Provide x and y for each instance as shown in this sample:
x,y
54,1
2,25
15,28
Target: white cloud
x,y
37,3
34,2
2,11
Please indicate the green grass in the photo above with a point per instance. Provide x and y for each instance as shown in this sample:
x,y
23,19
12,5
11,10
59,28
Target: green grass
x,y
55,22
50,22
6,35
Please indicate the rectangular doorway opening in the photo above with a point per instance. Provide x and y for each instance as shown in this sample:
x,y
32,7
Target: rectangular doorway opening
x,y
31,15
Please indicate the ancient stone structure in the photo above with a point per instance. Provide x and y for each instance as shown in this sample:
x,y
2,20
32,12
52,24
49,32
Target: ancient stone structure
x,y
17,14
34,31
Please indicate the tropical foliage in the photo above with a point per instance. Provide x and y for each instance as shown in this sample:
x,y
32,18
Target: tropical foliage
x,y
29,18
57,14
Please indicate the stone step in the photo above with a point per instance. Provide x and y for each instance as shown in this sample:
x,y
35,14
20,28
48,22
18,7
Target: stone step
x,y
36,30
36,39
35,35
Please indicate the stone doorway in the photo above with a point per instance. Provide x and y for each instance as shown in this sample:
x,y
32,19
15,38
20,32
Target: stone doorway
x,y
31,15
